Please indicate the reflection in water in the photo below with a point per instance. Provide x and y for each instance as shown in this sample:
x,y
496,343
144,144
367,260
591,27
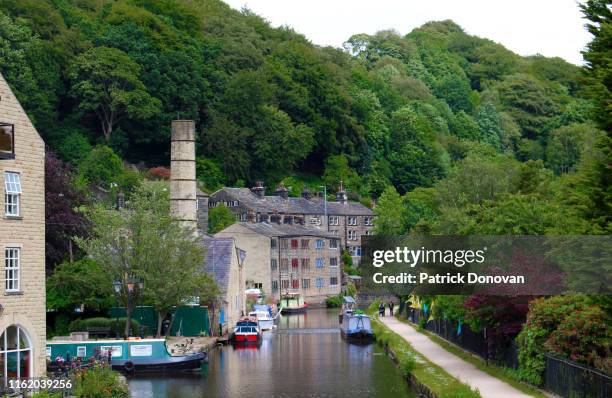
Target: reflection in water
x,y
288,364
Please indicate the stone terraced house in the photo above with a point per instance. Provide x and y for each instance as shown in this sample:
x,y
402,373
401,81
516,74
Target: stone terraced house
x,y
22,242
284,258
347,220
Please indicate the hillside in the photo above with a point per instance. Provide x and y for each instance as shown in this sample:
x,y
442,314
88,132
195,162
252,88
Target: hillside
x,y
434,110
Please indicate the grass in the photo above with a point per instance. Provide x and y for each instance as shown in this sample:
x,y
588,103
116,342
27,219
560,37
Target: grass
x,y
504,374
442,384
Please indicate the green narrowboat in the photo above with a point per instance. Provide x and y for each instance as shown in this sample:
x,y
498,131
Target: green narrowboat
x,y
129,356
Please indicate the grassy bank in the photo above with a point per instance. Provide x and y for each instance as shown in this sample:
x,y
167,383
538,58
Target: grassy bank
x,y
503,374
412,364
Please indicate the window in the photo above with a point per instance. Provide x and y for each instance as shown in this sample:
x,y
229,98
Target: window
x,y
284,244
275,286
352,235
295,263
319,263
295,284
334,232
333,262
273,243
368,221
11,269
258,285
352,221
319,244
333,281
315,220
285,284
305,243
305,263
273,264
305,284
334,220
354,250
7,141
319,283
288,220
15,354
294,244
333,243
12,185
82,351
284,264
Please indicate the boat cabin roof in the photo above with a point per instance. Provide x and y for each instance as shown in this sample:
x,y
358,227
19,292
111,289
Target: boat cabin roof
x,y
349,300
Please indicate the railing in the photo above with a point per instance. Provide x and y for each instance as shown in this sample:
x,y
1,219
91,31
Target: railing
x,y
571,379
561,376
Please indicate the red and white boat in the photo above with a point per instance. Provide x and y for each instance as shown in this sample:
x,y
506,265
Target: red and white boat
x,y
247,331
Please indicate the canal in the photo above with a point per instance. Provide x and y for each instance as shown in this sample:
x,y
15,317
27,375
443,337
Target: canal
x,y
305,357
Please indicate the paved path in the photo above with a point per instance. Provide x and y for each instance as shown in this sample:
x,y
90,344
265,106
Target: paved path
x,y
488,386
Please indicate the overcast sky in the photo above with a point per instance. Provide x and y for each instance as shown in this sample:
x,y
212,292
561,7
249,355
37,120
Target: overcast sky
x,y
527,27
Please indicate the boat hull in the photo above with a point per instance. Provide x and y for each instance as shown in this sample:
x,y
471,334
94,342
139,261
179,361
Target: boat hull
x,y
358,337
249,339
187,363
294,310
266,324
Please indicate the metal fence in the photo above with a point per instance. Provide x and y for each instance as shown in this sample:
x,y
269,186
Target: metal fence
x,y
561,376
573,380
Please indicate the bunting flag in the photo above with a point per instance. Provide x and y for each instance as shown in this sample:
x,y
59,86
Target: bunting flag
x,y
459,329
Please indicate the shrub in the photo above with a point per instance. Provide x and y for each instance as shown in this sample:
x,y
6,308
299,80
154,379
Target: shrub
x,y
565,325
583,336
99,382
407,364
117,326
334,301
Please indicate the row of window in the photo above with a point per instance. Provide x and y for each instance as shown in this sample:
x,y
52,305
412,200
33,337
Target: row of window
x,y
303,243
226,203
352,220
305,283
295,263
354,250
12,194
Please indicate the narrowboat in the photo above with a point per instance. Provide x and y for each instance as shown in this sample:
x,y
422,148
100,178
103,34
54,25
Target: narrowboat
x,y
263,313
348,307
292,303
247,331
355,325
129,356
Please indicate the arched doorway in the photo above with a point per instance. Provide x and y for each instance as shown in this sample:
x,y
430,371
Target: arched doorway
x,y
15,354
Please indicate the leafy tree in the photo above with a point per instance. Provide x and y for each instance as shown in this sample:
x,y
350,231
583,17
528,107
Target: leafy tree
x,y
63,219
82,282
565,146
209,173
598,57
337,169
106,82
388,213
489,125
219,218
144,242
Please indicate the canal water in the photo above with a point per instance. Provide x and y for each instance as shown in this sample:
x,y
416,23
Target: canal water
x,y
304,357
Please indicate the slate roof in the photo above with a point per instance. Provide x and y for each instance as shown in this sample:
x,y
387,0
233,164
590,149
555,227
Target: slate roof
x,y
219,252
299,205
286,230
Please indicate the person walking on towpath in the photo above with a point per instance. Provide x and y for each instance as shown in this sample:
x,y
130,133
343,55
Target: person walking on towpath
x,y
391,308
381,309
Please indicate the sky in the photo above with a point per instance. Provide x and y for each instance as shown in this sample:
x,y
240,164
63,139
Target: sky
x,y
554,28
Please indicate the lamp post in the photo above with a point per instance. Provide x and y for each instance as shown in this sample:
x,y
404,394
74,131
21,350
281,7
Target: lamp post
x,y
131,283
117,286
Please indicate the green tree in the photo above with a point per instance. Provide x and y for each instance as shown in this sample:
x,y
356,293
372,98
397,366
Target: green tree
x,y
337,169
210,174
106,82
219,218
144,242
388,212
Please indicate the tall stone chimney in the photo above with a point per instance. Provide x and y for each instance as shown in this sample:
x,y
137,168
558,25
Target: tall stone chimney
x,y
259,189
182,173
341,195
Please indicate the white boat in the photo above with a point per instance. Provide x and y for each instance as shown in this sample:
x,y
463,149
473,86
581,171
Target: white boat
x,y
266,322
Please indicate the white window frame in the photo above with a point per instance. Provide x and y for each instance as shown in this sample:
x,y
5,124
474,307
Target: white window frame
x,y
27,350
12,263
12,194
334,220
368,221
352,221
352,235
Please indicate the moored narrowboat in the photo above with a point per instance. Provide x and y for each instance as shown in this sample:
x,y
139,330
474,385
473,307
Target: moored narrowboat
x,y
129,356
247,331
292,303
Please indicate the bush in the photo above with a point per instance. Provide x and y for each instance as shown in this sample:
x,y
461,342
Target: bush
x,y
570,326
407,365
334,301
99,382
117,326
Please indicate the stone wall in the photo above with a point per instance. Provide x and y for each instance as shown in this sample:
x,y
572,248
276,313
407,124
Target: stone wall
x,y
25,308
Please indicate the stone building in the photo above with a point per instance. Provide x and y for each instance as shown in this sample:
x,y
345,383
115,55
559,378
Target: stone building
x,y
224,261
285,258
22,242
347,220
